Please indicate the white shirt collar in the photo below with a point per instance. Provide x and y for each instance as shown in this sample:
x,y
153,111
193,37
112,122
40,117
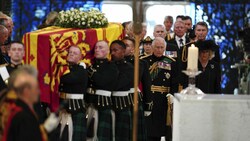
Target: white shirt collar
x,y
177,39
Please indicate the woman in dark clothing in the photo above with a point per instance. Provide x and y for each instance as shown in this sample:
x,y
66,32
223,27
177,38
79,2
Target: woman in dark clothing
x,y
210,79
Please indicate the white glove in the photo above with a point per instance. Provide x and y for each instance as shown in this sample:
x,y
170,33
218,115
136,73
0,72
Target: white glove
x,y
83,64
147,113
51,122
171,97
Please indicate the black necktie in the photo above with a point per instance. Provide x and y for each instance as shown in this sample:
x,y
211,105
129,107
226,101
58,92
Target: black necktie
x,y
181,42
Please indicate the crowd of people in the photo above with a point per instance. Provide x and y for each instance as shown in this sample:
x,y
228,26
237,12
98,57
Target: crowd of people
x,y
97,101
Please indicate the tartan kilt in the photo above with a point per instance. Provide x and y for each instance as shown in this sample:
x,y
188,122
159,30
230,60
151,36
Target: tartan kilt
x,y
104,129
79,126
123,125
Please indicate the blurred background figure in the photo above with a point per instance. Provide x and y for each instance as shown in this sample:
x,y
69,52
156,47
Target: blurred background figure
x,y
4,49
159,31
3,38
125,26
147,47
7,21
179,18
144,31
49,21
22,122
168,23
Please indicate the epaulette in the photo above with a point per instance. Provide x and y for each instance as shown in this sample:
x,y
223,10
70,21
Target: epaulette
x,y
170,58
142,57
4,65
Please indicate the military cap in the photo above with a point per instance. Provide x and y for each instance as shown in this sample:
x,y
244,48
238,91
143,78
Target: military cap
x,y
147,40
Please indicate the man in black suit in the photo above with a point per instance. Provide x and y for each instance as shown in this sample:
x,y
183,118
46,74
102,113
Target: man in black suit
x,y
201,30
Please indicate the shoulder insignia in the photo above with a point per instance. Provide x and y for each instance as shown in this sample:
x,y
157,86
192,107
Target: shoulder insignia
x,y
170,58
142,57
4,65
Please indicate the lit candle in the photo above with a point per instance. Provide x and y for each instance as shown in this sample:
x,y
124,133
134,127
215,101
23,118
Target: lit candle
x,y
192,62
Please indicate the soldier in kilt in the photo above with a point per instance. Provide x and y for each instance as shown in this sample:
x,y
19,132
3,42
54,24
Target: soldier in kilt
x,y
72,88
163,75
103,75
120,96
145,98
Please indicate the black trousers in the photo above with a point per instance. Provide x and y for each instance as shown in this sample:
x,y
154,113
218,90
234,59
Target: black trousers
x,y
157,139
154,138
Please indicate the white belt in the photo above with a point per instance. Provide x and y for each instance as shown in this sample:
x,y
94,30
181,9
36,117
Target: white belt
x,y
103,92
132,90
120,93
71,96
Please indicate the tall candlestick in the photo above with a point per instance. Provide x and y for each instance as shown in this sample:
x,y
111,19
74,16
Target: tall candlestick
x,y
192,62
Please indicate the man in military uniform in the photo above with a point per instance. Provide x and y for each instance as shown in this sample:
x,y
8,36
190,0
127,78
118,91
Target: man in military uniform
x,y
147,46
210,79
120,96
72,88
16,53
145,98
163,77
180,40
103,76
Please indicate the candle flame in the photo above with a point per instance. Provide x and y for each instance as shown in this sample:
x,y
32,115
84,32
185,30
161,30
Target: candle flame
x,y
192,45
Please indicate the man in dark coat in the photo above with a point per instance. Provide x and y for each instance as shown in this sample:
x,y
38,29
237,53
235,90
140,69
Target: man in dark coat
x,y
3,38
210,79
120,97
163,77
103,76
145,98
72,88
201,30
23,123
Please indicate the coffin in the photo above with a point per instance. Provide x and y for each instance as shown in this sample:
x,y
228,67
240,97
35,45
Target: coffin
x,y
46,47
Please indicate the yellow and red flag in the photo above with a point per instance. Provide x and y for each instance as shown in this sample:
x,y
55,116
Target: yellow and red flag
x,y
46,49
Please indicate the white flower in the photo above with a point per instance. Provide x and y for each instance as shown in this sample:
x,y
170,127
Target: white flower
x,y
83,23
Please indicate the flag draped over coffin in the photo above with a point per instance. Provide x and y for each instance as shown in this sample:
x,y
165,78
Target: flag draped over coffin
x,y
46,49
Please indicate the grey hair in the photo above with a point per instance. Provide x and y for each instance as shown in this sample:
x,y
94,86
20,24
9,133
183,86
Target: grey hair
x,y
170,18
159,39
23,70
160,25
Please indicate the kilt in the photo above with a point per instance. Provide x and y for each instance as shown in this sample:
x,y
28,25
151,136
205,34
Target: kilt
x,y
104,130
79,127
123,125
